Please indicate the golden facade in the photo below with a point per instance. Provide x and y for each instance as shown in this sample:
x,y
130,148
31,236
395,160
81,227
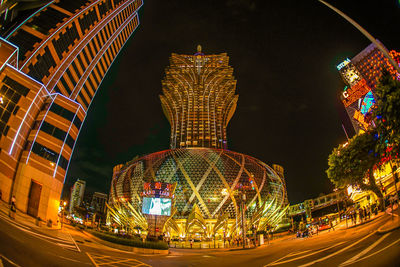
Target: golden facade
x,y
199,99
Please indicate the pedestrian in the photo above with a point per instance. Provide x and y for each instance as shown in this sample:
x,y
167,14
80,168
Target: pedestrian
x,y
331,225
13,208
191,243
365,213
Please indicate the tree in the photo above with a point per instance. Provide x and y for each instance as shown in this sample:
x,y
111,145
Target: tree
x,y
386,116
354,163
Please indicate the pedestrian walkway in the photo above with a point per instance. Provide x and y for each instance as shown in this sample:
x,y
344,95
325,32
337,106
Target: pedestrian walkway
x,y
27,222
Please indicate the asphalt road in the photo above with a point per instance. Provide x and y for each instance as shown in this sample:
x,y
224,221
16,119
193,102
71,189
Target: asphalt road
x,y
360,246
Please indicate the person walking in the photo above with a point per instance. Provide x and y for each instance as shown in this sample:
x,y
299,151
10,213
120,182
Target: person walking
x,y
13,208
331,225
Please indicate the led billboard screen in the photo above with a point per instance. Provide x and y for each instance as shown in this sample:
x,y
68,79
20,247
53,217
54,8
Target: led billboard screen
x,y
156,206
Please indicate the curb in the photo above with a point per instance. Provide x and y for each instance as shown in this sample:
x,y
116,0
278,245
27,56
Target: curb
x,y
124,248
381,231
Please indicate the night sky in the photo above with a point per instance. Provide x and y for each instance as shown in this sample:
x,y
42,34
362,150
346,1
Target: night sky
x,y
284,55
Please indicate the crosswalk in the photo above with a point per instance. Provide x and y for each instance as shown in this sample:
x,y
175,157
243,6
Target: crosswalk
x,y
342,253
106,260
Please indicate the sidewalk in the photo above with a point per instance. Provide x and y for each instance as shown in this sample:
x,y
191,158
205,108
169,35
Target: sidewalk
x,y
28,221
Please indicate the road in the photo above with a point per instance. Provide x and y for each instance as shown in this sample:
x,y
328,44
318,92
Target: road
x,y
21,245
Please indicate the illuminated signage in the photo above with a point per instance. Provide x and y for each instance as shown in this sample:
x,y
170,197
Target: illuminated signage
x,y
156,206
343,64
355,92
158,189
358,116
367,103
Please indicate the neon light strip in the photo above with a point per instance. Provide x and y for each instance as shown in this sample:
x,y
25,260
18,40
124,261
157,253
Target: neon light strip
x,y
6,62
8,42
76,140
69,99
62,147
38,130
97,31
23,120
70,21
29,77
20,25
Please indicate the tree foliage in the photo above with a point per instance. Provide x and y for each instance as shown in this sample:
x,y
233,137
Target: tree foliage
x,y
386,116
353,163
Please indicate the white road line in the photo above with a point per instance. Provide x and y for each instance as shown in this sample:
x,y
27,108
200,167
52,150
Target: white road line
x,y
365,251
73,260
337,252
13,222
45,236
8,260
379,251
298,253
65,245
300,257
92,260
73,240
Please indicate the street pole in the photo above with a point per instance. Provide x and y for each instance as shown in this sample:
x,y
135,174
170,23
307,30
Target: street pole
x,y
243,222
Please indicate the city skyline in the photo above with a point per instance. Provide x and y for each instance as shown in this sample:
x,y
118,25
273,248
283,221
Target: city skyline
x,y
286,66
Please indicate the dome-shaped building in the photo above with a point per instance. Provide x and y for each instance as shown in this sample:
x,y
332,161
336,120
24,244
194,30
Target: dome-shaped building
x,y
211,185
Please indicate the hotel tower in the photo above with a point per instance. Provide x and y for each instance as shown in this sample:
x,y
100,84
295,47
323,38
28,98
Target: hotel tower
x,y
52,61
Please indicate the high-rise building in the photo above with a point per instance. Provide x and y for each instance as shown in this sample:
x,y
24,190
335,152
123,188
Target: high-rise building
x,y
52,62
199,99
207,185
77,193
98,203
361,75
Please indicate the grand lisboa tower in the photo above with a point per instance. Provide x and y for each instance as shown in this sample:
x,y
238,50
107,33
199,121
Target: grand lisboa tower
x,y
212,186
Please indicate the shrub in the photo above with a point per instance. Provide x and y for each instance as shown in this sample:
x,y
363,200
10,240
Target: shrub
x,y
129,242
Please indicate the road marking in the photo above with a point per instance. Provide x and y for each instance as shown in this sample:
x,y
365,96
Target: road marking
x,y
337,252
379,251
8,260
94,263
300,257
107,260
13,222
72,260
73,240
298,253
365,251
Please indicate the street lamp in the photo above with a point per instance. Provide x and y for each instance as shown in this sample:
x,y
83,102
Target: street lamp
x,y
62,213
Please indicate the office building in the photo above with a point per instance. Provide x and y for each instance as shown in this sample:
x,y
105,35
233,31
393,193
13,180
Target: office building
x,y
77,193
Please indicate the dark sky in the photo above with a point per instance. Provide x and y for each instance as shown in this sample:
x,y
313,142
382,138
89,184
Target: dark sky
x,y
284,55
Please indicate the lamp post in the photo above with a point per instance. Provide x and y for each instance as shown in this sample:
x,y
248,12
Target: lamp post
x,y
243,198
62,213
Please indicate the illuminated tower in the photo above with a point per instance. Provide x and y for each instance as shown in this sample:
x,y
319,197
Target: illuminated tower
x,y
199,99
206,182
51,64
